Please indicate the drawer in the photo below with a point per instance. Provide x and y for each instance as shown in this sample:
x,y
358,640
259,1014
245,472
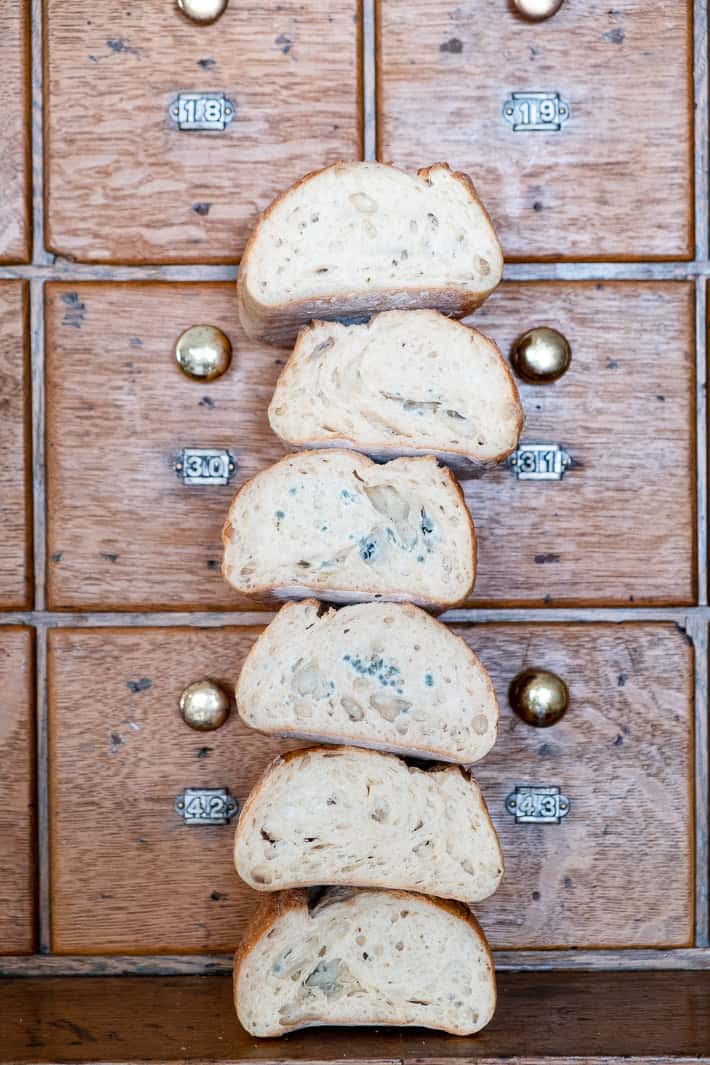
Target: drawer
x,y
15,229
17,822
120,413
131,179
15,441
607,171
128,875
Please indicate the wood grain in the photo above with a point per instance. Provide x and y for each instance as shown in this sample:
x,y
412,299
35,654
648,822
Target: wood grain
x,y
123,184
17,753
615,183
541,1018
15,441
135,879
15,190
119,411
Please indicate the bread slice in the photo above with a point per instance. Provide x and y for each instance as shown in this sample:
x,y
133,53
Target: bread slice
x,y
383,675
338,525
406,383
344,815
363,957
356,238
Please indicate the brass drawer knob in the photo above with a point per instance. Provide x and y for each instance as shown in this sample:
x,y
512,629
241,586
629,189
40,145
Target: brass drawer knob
x,y
203,352
204,706
537,10
203,11
539,697
541,355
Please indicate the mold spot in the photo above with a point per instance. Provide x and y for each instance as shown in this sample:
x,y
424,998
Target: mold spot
x,y
75,310
543,560
454,46
615,36
284,43
202,209
141,685
109,557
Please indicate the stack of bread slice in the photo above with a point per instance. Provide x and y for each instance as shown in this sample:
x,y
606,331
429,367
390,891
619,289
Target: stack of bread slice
x,y
371,845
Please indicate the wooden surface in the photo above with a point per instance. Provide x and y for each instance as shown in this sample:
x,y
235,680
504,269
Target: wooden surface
x,y
615,182
134,879
123,184
541,1017
618,530
15,484
15,231
17,759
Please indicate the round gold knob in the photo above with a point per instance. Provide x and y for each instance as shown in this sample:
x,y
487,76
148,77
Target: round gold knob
x,y
537,10
204,706
539,697
203,11
541,355
203,352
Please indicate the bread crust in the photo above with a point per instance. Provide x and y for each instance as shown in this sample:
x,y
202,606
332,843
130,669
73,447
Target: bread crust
x,y
383,450
349,740
279,326
278,903
269,595
292,756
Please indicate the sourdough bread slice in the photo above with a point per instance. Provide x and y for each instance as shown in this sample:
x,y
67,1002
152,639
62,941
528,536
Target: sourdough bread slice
x,y
383,675
407,382
338,525
360,237
363,957
350,816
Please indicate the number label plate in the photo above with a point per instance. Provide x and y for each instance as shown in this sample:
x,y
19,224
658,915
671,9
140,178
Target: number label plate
x,y
205,465
202,110
206,806
532,805
536,112
540,462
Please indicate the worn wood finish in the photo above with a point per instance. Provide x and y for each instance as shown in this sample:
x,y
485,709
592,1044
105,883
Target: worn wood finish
x,y
119,411
615,183
625,412
15,186
623,756
15,436
541,1018
135,879
123,184
17,751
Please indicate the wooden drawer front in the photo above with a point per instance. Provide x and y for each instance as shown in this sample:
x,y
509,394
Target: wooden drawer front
x,y
615,181
14,131
129,876
15,436
125,532
17,756
124,183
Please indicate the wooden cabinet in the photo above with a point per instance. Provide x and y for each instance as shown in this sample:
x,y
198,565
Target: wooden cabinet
x,y
17,822
125,532
129,876
131,177
577,130
15,442
15,180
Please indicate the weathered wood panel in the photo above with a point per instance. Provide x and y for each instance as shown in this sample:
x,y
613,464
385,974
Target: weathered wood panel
x,y
616,872
17,822
125,533
124,184
615,182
